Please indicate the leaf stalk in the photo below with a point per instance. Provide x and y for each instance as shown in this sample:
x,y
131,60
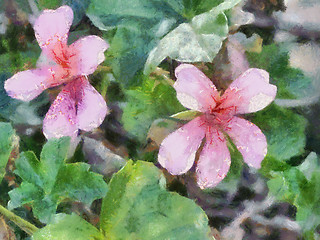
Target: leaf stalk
x,y
20,222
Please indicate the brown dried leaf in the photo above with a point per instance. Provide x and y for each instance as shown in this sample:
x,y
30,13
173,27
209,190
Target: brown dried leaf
x,y
6,232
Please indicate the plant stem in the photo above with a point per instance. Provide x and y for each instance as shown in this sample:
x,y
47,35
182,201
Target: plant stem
x,y
164,74
23,224
34,8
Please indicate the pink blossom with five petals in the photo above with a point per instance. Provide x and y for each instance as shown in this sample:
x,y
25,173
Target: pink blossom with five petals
x,y
250,92
79,105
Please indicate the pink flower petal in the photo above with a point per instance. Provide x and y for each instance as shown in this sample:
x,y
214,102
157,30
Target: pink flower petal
x,y
52,26
57,73
249,93
89,53
92,108
194,90
45,60
231,63
237,58
249,140
28,84
214,161
178,150
60,120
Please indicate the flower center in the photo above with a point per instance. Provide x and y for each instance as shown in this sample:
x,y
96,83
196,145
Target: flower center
x,y
61,55
219,116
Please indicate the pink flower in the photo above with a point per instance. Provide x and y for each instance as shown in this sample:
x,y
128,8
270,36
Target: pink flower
x,y
250,92
79,105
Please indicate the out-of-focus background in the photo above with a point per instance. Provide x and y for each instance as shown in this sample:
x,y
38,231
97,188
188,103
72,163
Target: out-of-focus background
x,y
279,201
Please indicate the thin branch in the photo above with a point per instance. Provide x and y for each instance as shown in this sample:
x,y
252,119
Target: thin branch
x,y
252,210
234,230
290,103
164,74
103,69
35,12
34,8
21,223
278,222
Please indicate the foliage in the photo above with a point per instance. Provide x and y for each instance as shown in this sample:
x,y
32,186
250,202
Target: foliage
x,y
70,227
17,56
154,99
138,206
274,58
148,40
50,181
300,186
197,41
140,26
7,141
284,129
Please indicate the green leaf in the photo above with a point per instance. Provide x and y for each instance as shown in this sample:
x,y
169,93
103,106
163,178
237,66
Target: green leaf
x,y
196,7
16,55
83,186
108,14
285,132
308,217
197,41
128,52
71,227
79,8
186,115
138,206
279,188
52,158
7,141
6,102
49,4
291,82
50,181
309,165
227,4
25,193
292,186
27,167
302,189
139,25
151,101
285,186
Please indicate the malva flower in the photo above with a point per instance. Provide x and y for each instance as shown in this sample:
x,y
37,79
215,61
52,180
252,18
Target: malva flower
x,y
79,105
250,92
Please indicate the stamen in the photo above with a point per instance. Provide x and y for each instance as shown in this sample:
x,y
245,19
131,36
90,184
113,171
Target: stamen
x,y
211,109
214,99
63,52
217,132
209,129
228,120
63,62
201,124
